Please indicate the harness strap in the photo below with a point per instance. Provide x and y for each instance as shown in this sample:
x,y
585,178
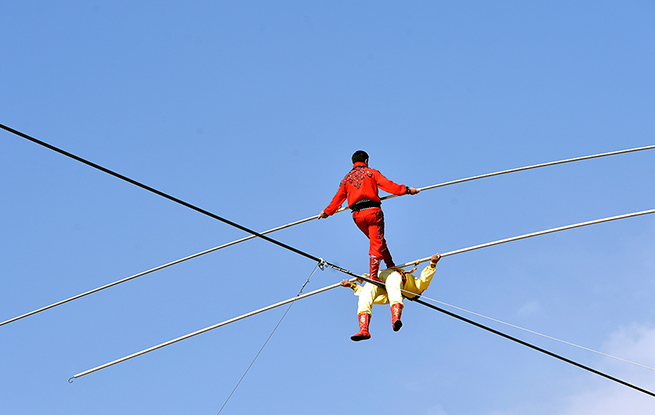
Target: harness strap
x,y
402,273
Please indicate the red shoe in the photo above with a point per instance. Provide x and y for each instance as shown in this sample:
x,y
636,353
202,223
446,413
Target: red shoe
x,y
363,334
396,311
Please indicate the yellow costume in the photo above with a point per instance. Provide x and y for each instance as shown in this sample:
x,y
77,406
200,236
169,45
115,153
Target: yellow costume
x,y
397,283
370,294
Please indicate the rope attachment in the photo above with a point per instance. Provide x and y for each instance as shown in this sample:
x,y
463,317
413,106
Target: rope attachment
x,y
321,264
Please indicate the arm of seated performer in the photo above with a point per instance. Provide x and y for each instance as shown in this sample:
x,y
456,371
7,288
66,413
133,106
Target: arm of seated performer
x,y
424,281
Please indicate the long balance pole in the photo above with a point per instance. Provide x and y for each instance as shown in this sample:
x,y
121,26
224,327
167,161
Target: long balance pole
x,y
206,329
531,235
459,251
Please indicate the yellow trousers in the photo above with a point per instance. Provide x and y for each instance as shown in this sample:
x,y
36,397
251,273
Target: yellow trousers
x,y
393,283
370,294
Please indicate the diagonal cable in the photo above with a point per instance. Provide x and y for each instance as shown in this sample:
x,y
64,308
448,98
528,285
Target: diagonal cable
x,y
158,192
269,338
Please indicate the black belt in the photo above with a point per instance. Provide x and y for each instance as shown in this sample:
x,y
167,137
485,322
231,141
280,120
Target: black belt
x,y
364,204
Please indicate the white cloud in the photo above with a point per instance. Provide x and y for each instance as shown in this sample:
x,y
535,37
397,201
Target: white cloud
x,y
529,309
599,396
435,410
635,343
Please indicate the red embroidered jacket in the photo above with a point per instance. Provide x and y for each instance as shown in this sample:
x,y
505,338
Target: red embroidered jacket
x,y
362,183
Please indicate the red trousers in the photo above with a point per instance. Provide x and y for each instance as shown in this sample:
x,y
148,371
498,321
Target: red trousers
x,y
371,222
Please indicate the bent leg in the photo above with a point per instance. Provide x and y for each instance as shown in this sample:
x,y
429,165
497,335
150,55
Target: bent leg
x,y
378,243
368,222
366,298
394,285
371,223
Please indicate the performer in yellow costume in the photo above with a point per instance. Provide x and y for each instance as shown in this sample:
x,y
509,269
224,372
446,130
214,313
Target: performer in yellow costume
x,y
397,282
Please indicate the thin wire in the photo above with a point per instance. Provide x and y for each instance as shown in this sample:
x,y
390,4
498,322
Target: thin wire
x,y
269,338
254,234
535,332
531,346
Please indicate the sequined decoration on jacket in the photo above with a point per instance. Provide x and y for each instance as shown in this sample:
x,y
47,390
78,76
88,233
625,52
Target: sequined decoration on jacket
x,y
356,177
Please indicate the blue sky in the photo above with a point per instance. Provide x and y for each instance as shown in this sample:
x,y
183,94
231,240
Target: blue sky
x,y
251,110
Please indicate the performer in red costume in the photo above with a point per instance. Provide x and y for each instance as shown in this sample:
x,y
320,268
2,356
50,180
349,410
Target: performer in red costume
x,y
360,187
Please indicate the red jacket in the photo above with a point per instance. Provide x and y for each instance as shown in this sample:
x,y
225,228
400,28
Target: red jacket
x,y
362,183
